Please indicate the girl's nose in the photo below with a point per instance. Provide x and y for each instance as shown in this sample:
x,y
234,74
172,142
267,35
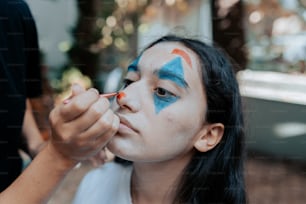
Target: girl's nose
x,y
120,95
126,102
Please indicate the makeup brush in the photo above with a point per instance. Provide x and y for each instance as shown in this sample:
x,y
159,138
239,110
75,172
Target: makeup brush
x,y
107,95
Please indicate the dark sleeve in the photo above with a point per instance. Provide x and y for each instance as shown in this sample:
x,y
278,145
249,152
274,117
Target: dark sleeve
x,y
33,68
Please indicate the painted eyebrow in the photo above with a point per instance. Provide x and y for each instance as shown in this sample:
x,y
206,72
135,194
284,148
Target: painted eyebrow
x,y
133,67
183,54
172,76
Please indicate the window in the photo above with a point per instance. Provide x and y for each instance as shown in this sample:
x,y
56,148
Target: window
x,y
276,35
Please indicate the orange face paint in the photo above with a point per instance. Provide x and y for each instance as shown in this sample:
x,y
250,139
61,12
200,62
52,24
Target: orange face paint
x,y
120,95
183,54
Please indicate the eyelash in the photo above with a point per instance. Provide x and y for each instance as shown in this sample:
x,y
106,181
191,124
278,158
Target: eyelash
x,y
126,83
159,91
165,93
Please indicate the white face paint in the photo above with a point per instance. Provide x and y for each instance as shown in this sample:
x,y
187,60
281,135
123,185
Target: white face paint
x,y
162,106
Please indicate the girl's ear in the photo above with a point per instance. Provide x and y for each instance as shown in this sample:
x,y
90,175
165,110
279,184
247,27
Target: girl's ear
x,y
209,136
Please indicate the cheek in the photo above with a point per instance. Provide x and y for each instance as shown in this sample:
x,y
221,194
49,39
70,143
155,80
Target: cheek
x,y
183,123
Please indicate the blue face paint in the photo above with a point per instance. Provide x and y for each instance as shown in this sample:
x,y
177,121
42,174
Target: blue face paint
x,y
133,67
162,102
174,72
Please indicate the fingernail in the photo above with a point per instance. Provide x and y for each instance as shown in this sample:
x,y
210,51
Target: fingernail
x,y
95,90
66,101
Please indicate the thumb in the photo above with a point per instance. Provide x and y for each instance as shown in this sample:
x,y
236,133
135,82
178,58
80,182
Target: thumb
x,y
76,89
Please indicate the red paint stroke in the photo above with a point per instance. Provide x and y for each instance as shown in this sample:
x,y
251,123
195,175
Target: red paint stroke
x,y
120,95
183,54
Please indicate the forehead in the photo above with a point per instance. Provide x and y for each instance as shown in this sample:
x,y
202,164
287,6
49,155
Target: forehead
x,y
164,52
163,55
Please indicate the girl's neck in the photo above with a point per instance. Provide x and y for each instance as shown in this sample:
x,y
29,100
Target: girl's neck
x,y
156,182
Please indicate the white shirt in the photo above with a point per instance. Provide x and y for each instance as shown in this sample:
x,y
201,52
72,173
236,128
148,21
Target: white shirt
x,y
109,184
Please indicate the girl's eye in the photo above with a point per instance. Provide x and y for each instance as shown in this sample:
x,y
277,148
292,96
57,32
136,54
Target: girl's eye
x,y
163,92
126,82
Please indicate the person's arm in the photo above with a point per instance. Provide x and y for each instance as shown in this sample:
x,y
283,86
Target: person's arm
x,y
80,129
31,132
40,179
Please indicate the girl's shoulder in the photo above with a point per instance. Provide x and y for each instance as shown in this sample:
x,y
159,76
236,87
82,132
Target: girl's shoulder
x,y
108,174
105,183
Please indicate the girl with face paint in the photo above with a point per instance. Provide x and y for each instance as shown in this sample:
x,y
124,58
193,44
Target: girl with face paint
x,y
180,137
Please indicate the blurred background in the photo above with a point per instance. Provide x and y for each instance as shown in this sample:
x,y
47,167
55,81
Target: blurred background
x,y
91,42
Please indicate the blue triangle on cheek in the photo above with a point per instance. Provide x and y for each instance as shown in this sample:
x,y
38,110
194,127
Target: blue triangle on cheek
x,y
161,104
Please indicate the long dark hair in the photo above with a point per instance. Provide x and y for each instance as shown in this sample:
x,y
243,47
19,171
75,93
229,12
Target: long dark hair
x,y
215,176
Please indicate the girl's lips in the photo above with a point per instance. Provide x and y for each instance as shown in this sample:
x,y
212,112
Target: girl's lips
x,y
125,124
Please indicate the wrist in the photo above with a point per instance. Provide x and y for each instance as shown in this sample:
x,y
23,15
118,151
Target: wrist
x,y
36,148
62,161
